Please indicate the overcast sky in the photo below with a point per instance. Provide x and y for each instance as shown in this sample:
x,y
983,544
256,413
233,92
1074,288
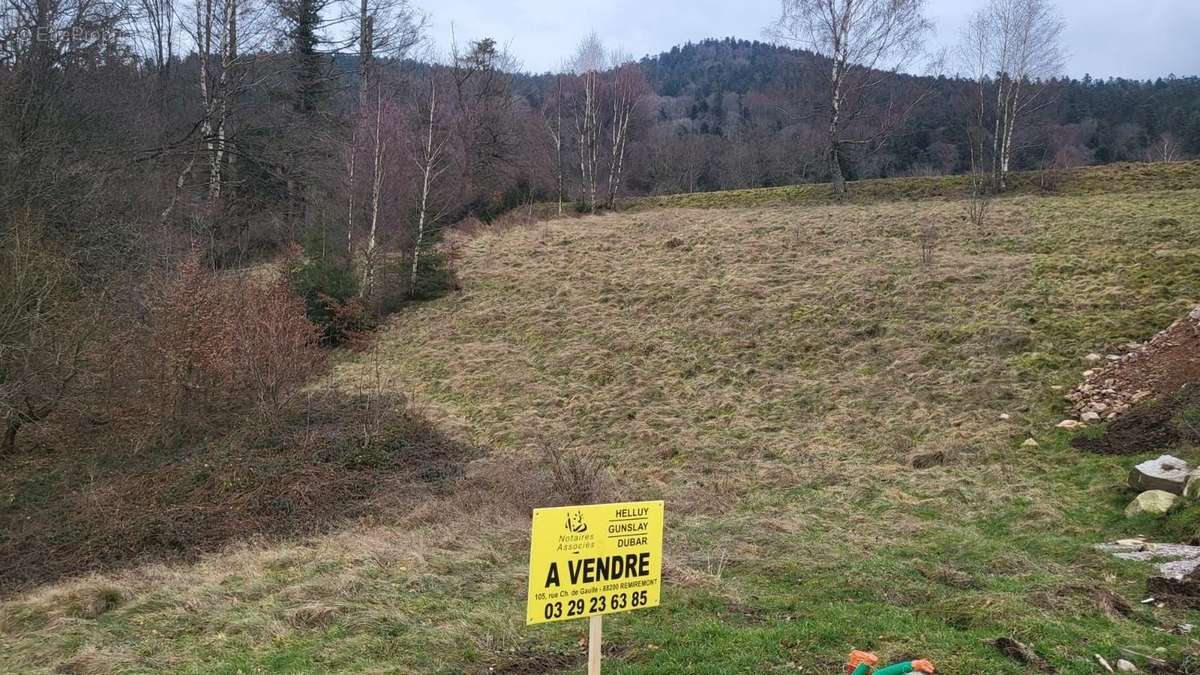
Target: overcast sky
x,y
1128,38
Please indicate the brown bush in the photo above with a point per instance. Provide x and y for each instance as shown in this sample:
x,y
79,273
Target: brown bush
x,y
183,344
275,348
209,345
577,477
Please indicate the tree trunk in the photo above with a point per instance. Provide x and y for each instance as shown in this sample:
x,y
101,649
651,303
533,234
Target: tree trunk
x,y
368,278
427,173
837,179
558,143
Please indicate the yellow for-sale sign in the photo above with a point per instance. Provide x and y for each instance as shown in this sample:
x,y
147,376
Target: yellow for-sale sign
x,y
592,560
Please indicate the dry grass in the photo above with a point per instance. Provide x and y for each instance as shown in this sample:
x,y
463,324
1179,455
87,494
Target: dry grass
x,y
1082,181
769,336
771,373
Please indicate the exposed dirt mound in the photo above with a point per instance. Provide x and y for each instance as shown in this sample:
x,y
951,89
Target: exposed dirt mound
x,y
1148,427
1153,371
1183,592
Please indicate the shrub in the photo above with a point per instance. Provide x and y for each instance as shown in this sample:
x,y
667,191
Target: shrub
x,y
576,477
435,275
349,323
184,342
209,344
275,346
330,292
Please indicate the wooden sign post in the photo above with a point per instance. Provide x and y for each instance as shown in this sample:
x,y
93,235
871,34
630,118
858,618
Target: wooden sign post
x,y
588,561
594,639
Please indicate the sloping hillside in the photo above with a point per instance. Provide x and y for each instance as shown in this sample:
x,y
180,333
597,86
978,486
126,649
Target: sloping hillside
x,y
835,422
1113,179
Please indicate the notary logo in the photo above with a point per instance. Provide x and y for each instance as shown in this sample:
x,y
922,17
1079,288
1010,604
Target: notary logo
x,y
575,523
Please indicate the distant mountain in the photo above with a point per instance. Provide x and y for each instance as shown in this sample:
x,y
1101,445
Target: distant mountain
x,y
738,113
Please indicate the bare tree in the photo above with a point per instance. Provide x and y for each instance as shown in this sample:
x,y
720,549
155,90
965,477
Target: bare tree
x,y
226,35
44,327
975,58
864,40
552,114
629,87
156,22
430,161
1015,47
1165,149
389,28
377,170
382,28
588,64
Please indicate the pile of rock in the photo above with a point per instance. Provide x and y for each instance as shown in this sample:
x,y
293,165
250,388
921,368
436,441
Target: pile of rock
x,y
1160,483
1114,383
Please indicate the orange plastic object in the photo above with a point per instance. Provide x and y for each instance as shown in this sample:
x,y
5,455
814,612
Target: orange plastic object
x,y
858,657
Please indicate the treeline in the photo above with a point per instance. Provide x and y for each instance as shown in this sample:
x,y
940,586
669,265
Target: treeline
x,y
194,197
733,113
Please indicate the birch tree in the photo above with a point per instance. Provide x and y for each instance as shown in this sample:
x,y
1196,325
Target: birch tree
x,y
628,90
1165,149
588,64
430,162
379,148
864,41
226,35
1016,48
387,28
552,115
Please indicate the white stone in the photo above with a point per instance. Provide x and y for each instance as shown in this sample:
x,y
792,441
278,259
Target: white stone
x,y
1165,473
1093,358
1070,425
1090,416
1126,667
1030,443
1005,416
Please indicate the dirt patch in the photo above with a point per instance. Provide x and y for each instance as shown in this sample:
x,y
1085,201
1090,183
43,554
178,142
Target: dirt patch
x,y
103,510
1022,654
1183,592
1157,369
1144,428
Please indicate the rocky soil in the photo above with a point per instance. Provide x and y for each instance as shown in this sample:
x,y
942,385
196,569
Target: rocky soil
x,y
1160,367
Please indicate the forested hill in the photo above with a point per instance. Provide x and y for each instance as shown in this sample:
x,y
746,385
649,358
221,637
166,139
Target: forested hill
x,y
737,113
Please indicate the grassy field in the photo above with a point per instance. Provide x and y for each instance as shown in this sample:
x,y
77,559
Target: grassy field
x,y
772,372
1056,182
